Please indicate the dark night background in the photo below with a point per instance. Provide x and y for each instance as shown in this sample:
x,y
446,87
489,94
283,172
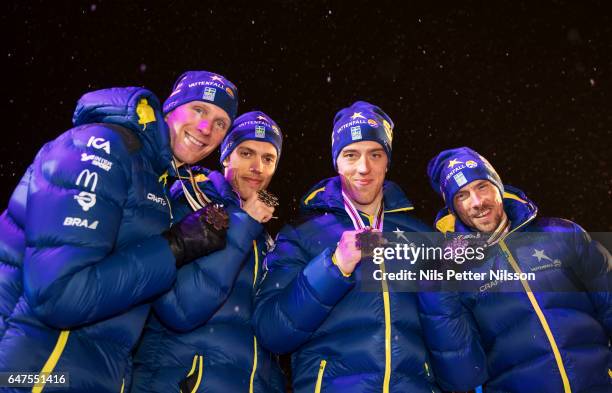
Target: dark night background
x,y
527,85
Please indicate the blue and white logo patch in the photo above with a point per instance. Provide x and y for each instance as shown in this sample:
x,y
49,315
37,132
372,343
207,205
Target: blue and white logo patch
x,y
260,132
209,93
355,133
460,179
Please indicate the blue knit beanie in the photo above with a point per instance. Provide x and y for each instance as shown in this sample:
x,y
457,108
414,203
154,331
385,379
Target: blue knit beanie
x,y
359,122
452,169
252,126
203,86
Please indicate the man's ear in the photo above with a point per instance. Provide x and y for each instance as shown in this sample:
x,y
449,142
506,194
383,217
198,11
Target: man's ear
x,y
225,162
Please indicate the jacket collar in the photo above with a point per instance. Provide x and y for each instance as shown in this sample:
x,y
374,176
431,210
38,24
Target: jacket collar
x,y
327,196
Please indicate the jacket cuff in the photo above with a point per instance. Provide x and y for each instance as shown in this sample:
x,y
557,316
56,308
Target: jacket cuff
x,y
335,262
326,280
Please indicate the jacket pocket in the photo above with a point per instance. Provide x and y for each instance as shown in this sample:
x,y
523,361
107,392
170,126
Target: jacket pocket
x,y
191,383
320,376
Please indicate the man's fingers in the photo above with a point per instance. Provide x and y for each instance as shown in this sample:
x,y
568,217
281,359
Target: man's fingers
x,y
253,197
263,207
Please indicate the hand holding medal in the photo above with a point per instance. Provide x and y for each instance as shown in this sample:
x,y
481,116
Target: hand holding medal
x,y
369,239
268,198
260,205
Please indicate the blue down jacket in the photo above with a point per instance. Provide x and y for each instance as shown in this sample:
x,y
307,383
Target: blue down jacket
x,y
80,250
549,335
342,339
200,330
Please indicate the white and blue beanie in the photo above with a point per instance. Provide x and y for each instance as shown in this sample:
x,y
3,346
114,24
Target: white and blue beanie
x,y
453,169
252,126
359,122
203,86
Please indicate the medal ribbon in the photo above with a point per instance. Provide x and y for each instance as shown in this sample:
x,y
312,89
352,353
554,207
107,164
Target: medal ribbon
x,y
200,200
356,218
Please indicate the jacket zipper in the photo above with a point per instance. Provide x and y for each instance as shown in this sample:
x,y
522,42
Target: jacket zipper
x,y
255,268
51,362
541,317
320,376
387,307
198,363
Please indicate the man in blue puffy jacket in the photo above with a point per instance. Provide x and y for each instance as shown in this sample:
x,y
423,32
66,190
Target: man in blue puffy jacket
x,y
547,333
343,339
85,243
199,338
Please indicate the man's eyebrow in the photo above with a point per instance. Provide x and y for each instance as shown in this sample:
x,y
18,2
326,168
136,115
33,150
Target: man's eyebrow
x,y
244,148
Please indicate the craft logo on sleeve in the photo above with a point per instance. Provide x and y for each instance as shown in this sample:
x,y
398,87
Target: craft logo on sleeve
x,y
156,199
209,93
